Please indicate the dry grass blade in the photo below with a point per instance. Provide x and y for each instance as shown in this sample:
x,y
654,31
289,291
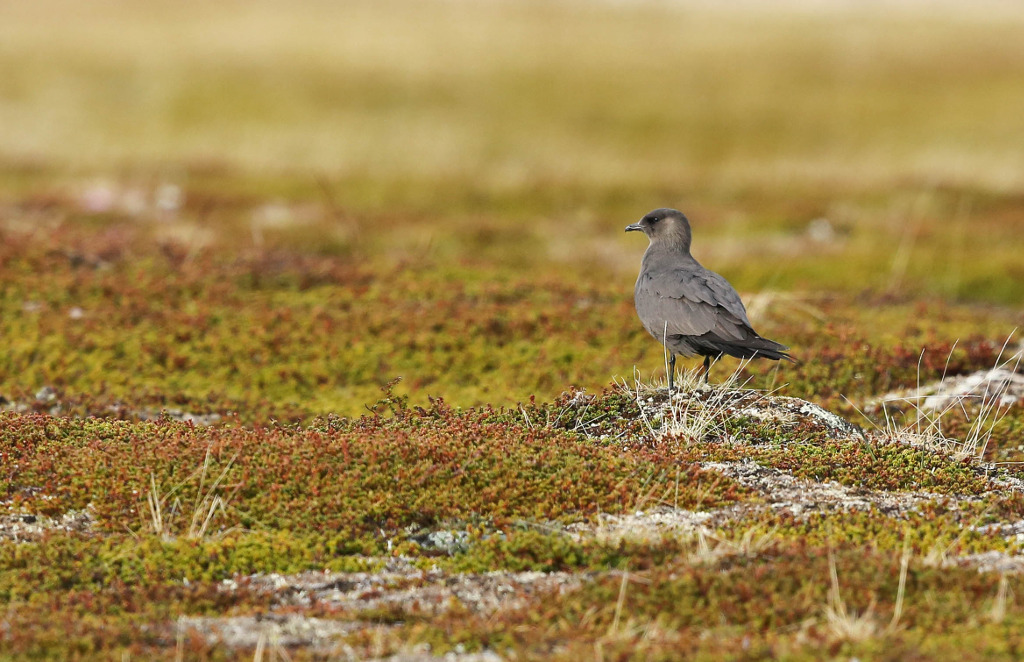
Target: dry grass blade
x,y
925,428
261,645
693,411
155,507
619,604
851,626
997,613
751,543
842,623
206,505
897,611
993,408
179,640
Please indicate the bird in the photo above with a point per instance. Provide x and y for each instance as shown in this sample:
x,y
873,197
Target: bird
x,y
691,310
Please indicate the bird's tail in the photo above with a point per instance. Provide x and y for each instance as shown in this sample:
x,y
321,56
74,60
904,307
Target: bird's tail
x,y
775,355
758,347
772,350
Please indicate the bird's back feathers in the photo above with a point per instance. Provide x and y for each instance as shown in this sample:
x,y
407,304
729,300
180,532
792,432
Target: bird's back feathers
x,y
694,310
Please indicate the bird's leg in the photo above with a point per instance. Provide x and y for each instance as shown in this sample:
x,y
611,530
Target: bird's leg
x,y
671,372
707,368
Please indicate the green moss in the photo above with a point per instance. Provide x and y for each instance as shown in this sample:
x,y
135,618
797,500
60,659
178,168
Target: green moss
x,y
58,562
874,465
934,528
361,479
774,606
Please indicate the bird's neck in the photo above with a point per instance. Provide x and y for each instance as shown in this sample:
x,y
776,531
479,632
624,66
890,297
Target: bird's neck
x,y
676,247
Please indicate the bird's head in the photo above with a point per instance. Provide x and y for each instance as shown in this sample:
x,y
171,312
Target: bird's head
x,y
666,227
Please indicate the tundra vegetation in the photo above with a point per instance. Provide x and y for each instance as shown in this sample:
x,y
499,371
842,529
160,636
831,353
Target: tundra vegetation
x,y
318,338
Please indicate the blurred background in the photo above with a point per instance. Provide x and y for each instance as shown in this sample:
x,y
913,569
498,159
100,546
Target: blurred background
x,y
441,186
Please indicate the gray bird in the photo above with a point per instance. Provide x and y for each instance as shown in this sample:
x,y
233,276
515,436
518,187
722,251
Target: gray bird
x,y
691,310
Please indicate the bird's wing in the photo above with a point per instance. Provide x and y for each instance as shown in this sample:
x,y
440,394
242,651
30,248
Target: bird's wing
x,y
691,302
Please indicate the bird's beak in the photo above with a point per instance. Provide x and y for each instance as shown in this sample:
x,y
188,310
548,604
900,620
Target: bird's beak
x,y
635,227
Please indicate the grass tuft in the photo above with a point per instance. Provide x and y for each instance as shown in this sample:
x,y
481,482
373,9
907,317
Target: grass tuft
x,y
206,505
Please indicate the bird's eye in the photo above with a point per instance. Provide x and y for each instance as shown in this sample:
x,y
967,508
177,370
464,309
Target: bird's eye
x,y
655,219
